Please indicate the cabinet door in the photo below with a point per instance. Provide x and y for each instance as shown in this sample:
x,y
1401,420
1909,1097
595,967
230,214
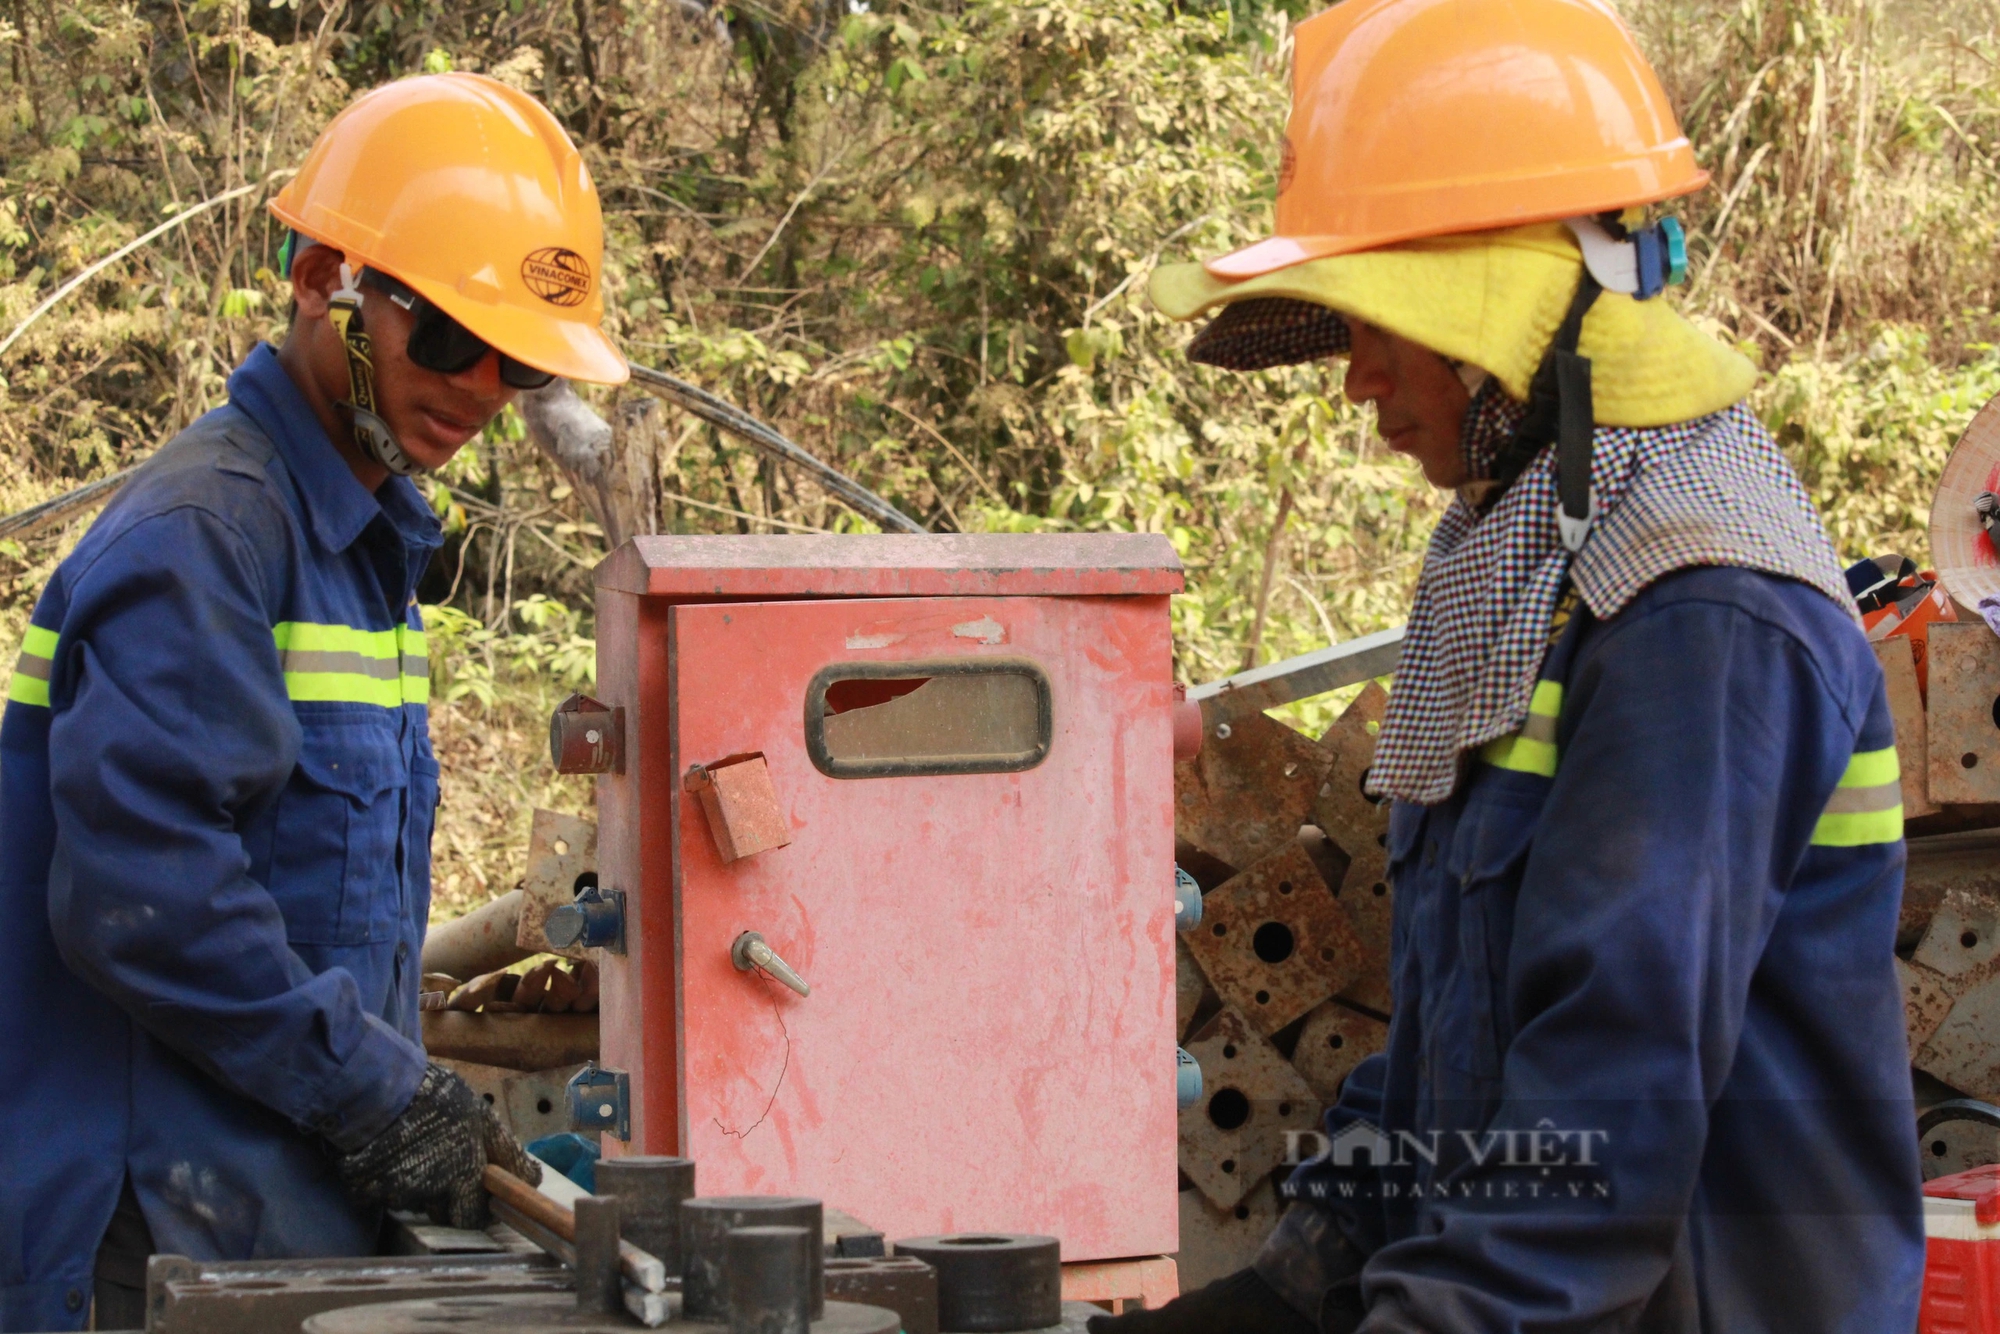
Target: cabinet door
x,y
978,890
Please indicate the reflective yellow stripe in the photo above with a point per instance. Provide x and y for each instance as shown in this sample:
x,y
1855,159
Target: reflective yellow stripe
x,y
1871,768
29,683
340,664
1532,748
413,650
1866,806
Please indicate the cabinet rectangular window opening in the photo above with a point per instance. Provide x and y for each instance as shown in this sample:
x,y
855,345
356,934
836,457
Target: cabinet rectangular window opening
x,y
955,716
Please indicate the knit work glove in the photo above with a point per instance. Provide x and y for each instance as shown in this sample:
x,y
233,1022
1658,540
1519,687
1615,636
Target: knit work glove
x,y
1240,1303
432,1157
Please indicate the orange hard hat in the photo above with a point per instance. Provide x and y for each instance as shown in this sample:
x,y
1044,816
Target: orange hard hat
x,y
1415,118
469,192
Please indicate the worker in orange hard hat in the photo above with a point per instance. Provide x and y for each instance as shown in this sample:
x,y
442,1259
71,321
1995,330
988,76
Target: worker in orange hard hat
x,y
1646,1066
216,777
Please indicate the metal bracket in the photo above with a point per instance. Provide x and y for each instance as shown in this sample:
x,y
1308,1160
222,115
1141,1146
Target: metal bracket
x,y
1187,901
601,1099
587,737
1302,677
596,920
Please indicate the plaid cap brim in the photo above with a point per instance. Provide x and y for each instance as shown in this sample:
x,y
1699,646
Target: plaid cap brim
x,y
1268,331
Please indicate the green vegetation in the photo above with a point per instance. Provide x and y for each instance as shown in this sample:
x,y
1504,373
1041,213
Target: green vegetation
x,y
914,236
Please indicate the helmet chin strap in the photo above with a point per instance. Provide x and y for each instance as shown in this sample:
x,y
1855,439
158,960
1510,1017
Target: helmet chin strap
x,y
372,435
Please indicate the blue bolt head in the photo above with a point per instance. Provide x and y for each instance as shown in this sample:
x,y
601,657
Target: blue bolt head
x,y
1187,901
1187,1084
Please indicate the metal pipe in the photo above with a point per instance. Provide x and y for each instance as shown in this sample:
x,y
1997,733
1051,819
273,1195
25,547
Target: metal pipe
x,y
479,942
527,1042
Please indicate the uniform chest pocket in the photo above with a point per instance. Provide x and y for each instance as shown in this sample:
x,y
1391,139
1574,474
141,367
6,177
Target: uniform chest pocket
x,y
336,868
1487,855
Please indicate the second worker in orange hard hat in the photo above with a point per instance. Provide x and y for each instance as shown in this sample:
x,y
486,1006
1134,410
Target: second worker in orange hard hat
x,y
216,778
1646,1066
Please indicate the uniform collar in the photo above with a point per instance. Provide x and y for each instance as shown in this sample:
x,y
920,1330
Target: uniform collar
x,y
338,508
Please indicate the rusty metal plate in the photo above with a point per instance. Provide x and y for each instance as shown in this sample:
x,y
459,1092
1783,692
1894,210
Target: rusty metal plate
x,y
1967,862
1191,987
1906,707
1963,1051
1233,1137
1359,825
1334,1040
1963,941
1248,791
1342,808
1926,1001
562,861
1274,941
186,1296
1217,1242
1960,955
531,1103
1961,729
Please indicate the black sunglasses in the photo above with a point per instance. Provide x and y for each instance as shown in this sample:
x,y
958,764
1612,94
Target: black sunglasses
x,y
440,343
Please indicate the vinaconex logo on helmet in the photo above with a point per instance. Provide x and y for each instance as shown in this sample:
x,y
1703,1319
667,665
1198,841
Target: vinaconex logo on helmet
x,y
558,276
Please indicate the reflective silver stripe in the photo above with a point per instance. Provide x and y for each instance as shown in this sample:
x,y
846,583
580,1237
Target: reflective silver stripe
x,y
33,667
327,660
1539,728
1859,800
416,665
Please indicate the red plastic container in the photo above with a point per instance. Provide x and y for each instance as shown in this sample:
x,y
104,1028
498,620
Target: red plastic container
x,y
1962,1254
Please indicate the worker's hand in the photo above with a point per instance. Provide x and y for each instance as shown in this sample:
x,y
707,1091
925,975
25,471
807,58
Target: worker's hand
x,y
432,1157
1241,1303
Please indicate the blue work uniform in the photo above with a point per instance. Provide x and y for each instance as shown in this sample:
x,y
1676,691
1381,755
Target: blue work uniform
x,y
1647,1068
216,800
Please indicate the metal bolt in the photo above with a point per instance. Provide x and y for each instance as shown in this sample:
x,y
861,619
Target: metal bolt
x,y
750,951
1222,731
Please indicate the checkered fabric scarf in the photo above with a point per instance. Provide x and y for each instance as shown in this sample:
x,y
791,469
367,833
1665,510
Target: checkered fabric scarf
x,y
1712,491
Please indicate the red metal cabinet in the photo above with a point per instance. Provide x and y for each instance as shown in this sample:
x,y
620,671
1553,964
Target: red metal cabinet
x,y
988,1042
